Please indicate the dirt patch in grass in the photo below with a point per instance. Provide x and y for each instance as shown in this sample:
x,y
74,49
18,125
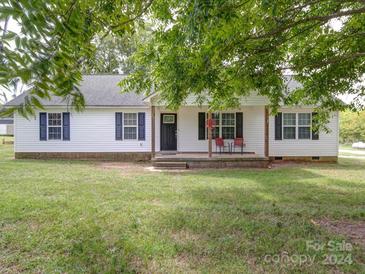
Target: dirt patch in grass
x,y
353,230
133,168
127,168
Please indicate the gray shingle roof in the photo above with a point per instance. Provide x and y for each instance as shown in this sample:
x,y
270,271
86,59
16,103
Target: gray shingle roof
x,y
98,90
103,90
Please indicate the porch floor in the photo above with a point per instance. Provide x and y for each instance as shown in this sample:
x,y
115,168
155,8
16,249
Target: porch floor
x,y
204,156
201,160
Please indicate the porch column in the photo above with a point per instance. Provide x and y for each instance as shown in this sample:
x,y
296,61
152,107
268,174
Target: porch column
x,y
153,134
266,130
209,136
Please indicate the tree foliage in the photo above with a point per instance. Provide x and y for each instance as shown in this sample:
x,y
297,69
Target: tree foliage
x,y
352,127
111,55
219,49
227,49
13,89
55,40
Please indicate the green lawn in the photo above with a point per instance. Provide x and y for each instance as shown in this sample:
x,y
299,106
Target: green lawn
x,y
349,147
75,217
347,150
5,138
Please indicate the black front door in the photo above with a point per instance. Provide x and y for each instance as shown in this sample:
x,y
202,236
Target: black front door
x,y
168,131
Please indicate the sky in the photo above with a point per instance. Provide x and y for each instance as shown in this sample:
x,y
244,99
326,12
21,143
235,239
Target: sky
x,y
336,24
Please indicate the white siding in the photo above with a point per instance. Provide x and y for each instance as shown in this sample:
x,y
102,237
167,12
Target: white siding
x,y
327,145
254,100
187,129
92,130
10,129
6,129
3,129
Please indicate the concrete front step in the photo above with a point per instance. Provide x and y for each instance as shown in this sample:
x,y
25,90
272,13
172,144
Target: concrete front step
x,y
170,165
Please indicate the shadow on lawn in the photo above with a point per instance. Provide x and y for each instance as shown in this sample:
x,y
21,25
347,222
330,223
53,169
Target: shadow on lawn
x,y
235,224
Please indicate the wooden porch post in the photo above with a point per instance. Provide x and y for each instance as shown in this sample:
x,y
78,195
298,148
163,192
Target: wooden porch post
x,y
209,136
153,130
266,129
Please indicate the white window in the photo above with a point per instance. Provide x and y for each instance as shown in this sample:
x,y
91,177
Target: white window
x,y
304,125
216,129
228,125
168,119
289,125
297,124
54,126
130,126
225,125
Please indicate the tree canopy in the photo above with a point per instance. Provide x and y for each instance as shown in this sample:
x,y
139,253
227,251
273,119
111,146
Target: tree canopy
x,y
113,53
55,41
352,127
220,49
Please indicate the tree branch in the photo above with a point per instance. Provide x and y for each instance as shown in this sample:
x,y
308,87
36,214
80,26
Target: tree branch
x,y
135,17
336,60
324,18
309,3
4,32
331,61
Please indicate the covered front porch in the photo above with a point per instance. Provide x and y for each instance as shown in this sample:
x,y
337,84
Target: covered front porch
x,y
184,133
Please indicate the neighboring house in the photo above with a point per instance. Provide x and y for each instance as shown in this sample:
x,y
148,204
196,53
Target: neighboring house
x,y
7,126
127,126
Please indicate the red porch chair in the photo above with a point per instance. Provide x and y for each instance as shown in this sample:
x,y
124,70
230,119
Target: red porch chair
x,y
239,142
219,143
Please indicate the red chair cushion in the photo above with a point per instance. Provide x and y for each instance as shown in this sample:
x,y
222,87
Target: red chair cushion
x,y
219,142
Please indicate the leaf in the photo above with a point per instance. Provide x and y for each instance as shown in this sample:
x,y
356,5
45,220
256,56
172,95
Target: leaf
x,y
17,41
25,75
37,103
9,35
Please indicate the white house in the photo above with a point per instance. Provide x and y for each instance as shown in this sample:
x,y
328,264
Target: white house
x,y
128,126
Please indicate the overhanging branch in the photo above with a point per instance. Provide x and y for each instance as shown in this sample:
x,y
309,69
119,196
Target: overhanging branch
x,y
324,18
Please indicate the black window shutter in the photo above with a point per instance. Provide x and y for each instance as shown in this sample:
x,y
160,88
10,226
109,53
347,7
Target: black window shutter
x,y
278,126
118,126
201,126
315,134
239,125
66,126
43,126
141,126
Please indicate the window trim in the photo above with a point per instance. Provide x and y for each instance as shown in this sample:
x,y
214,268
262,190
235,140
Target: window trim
x,y
130,126
220,125
297,126
60,126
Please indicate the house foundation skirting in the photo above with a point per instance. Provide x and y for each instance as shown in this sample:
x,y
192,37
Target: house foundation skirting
x,y
108,156
327,159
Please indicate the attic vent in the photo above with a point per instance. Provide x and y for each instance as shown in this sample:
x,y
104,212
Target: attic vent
x,y
315,158
278,158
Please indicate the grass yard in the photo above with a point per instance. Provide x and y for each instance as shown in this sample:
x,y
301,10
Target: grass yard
x,y
349,147
6,138
89,217
347,150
